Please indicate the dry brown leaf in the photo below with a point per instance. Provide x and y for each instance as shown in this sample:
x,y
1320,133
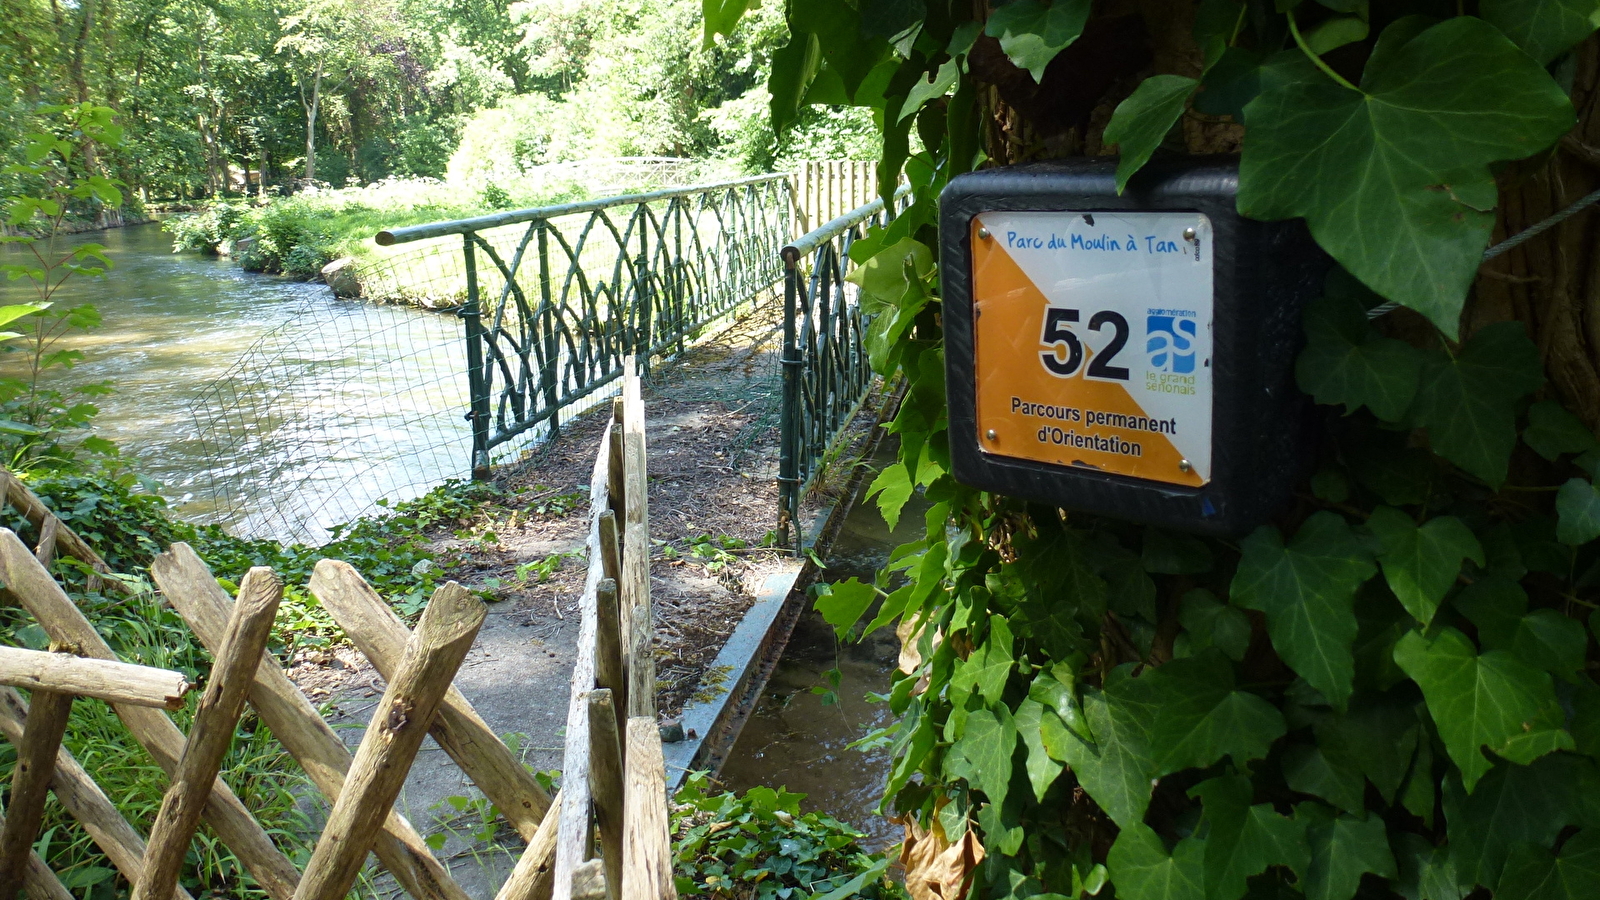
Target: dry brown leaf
x,y
935,868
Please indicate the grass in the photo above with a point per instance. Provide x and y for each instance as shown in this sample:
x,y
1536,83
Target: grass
x,y
299,235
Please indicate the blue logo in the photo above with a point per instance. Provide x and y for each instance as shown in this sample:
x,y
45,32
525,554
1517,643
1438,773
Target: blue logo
x,y
1170,343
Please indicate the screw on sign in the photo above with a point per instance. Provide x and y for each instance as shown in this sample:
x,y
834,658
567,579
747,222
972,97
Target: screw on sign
x,y
1124,354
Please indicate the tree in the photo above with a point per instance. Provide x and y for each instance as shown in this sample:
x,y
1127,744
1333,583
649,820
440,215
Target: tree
x,y
1386,691
324,38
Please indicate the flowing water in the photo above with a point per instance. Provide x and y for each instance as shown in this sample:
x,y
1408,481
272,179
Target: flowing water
x,y
794,739
259,402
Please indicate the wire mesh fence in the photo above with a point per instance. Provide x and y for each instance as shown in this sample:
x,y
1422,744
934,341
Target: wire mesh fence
x,y
348,403
322,417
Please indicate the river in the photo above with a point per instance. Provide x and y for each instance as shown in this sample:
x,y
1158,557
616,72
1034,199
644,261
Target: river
x,y
261,403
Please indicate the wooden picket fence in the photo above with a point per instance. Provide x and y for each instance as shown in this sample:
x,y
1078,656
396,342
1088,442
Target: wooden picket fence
x,y
827,189
612,776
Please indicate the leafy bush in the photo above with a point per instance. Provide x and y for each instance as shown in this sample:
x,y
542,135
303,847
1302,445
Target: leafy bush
x,y
760,845
217,223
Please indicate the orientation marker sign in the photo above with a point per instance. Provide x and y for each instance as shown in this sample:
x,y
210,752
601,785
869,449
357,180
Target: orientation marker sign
x,y
1092,340
1125,353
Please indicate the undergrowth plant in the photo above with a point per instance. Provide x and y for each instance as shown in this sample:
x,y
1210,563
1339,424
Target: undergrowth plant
x,y
759,846
1389,689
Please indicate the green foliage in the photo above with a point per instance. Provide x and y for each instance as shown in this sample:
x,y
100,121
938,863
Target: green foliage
x,y
760,845
1388,690
1393,178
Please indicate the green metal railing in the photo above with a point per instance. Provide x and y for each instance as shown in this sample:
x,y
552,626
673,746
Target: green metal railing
x,y
825,370
571,291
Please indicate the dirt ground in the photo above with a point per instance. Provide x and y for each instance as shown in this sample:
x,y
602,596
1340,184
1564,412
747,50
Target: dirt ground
x,y
712,437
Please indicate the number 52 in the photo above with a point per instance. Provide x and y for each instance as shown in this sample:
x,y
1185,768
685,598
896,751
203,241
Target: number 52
x,y
1058,335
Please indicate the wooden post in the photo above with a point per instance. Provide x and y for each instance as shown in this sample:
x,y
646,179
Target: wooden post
x,y
83,799
29,585
531,879
642,665
380,635
605,784
646,851
192,590
38,880
610,670
616,488
212,735
30,784
432,655
102,679
610,545
45,551
573,831
635,585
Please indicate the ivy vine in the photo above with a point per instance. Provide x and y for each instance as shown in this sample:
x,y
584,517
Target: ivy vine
x,y
1388,691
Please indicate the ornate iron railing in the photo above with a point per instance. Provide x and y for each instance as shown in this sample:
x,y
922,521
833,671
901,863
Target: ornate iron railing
x,y
825,370
571,291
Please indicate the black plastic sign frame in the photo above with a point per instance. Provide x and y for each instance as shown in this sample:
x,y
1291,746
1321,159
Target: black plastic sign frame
x,y
1262,274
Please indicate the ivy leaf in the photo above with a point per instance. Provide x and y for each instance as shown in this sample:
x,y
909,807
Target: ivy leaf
x,y
1513,804
1310,770
1468,402
1393,179
1141,122
1307,591
1495,604
1476,701
937,84
988,668
1117,767
1550,641
1244,840
1426,871
1200,718
1212,623
1552,431
893,488
1342,848
1142,869
1032,32
1578,508
794,68
1534,873
1421,564
987,745
843,603
1169,553
849,52
1346,362
1042,770
1544,28
1337,32
1378,735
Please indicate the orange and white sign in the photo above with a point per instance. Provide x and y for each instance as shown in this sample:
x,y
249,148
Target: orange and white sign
x,y
1092,337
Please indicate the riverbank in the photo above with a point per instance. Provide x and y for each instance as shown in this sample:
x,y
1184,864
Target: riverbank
x,y
115,218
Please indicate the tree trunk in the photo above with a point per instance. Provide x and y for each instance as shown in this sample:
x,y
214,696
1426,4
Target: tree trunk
x,y
311,122
1552,282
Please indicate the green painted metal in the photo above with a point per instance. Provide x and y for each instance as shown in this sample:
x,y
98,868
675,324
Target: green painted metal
x,y
570,291
825,370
